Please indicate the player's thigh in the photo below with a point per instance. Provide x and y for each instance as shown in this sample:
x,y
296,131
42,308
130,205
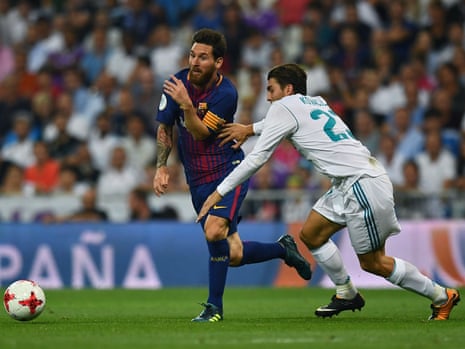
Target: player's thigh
x,y
370,214
317,229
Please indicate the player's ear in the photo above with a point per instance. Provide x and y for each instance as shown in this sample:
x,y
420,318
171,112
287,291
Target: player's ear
x,y
219,62
289,90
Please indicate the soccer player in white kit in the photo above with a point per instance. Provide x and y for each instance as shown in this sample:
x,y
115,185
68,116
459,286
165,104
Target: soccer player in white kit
x,y
360,198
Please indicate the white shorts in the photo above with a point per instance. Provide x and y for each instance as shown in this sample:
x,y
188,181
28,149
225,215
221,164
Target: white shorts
x,y
366,208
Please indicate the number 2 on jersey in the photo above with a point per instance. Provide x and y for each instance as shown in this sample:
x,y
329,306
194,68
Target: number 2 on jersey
x,y
329,125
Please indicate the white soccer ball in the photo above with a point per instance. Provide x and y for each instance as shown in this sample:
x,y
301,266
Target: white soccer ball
x,y
24,300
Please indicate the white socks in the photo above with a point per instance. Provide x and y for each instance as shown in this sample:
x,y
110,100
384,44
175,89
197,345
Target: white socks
x,y
409,277
329,259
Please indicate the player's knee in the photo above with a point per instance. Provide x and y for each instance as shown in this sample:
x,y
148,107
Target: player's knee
x,y
310,240
214,235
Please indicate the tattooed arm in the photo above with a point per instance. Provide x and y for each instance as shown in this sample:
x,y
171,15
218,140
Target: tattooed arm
x,y
164,146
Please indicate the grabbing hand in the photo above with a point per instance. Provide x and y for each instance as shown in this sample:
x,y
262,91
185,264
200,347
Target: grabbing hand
x,y
235,132
213,199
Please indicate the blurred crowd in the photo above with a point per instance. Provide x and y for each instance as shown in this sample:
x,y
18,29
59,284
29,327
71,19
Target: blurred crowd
x,y
80,82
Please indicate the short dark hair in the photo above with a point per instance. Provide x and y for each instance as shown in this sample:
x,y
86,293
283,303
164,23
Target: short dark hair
x,y
290,74
211,38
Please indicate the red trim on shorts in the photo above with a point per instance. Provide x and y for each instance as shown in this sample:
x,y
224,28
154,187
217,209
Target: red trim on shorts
x,y
237,193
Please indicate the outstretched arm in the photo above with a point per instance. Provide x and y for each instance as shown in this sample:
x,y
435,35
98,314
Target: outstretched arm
x,y
239,133
235,132
164,146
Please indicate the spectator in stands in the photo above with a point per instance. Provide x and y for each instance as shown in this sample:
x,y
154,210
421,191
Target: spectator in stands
x,y
458,59
208,14
235,31
391,158
124,109
43,174
68,56
262,17
265,209
437,171
460,174
383,99
122,60
165,52
296,206
27,81
366,130
7,59
102,141
68,183
409,138
317,73
63,144
106,87
448,79
89,212
411,202
257,92
285,161
13,182
38,43
77,124
119,178
20,150
103,23
18,19
146,93
81,161
401,31
437,30
432,122
351,55
95,58
86,103
140,209
256,50
138,20
11,102
140,147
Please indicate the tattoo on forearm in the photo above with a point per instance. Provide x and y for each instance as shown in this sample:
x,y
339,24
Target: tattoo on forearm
x,y
164,144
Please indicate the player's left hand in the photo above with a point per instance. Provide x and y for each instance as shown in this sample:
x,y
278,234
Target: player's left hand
x,y
213,199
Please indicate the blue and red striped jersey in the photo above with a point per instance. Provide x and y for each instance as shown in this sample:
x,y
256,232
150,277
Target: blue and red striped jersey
x,y
204,161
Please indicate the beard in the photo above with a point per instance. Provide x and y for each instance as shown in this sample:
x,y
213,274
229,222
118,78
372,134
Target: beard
x,y
200,79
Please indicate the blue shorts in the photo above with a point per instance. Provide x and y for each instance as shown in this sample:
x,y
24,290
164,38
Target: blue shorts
x,y
228,207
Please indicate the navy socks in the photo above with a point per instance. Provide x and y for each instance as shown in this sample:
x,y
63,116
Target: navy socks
x,y
218,269
256,252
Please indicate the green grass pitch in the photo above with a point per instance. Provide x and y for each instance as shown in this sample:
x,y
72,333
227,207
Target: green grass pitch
x,y
254,318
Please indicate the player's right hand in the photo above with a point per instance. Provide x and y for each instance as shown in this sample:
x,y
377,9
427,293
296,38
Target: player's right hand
x,y
160,180
237,133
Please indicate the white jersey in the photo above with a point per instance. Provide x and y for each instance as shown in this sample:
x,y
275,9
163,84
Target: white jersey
x,y
317,133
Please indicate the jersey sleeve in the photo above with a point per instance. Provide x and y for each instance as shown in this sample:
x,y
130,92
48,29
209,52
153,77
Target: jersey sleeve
x,y
226,105
277,124
258,127
168,110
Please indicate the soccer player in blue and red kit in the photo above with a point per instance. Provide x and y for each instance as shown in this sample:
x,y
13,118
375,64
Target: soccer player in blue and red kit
x,y
199,100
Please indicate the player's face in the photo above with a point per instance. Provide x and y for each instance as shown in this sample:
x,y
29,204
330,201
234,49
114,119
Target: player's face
x,y
274,91
202,64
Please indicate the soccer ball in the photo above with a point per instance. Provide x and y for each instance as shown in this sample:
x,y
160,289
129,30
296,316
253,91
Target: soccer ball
x,y
24,300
